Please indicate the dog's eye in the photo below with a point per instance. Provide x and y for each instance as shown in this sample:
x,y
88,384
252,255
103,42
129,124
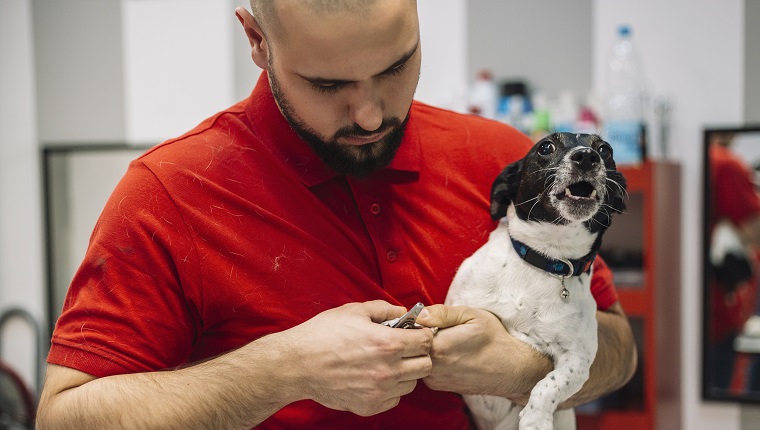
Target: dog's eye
x,y
605,151
546,148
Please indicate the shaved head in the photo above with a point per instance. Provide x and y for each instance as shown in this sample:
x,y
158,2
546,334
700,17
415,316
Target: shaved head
x,y
266,11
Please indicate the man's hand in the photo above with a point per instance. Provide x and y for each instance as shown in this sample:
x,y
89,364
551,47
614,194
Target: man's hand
x,y
474,354
352,363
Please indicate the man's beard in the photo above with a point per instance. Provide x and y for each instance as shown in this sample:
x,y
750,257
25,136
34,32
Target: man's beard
x,y
353,160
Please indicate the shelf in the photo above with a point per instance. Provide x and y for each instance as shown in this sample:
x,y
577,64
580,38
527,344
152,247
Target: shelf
x,y
642,247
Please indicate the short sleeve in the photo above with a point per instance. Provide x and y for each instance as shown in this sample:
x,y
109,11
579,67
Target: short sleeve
x,y
602,286
127,309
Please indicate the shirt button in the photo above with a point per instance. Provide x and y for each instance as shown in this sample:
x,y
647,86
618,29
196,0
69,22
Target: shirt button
x,y
391,256
374,208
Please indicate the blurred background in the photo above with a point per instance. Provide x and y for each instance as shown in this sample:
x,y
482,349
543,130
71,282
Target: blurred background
x,y
86,85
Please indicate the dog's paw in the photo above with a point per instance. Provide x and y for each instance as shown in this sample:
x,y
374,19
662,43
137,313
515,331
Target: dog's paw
x,y
534,419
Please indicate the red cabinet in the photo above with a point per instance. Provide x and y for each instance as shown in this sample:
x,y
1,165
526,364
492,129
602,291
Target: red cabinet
x,y
643,249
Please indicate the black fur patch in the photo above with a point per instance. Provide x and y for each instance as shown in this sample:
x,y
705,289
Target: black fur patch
x,y
523,180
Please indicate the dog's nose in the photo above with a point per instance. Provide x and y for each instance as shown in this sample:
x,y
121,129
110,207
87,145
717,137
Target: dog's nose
x,y
585,158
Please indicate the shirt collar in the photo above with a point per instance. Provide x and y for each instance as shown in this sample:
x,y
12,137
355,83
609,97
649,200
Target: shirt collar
x,y
275,133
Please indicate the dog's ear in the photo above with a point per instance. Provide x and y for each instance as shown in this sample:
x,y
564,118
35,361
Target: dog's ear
x,y
616,191
504,189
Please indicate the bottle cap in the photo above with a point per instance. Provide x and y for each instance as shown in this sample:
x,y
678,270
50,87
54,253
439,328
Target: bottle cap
x,y
624,30
485,75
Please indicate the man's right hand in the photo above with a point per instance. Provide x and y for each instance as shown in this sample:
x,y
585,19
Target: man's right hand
x,y
350,362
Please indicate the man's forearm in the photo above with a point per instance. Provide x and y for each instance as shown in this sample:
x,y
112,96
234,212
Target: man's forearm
x,y
237,390
340,359
613,365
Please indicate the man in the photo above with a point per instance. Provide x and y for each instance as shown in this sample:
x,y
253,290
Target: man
x,y
252,258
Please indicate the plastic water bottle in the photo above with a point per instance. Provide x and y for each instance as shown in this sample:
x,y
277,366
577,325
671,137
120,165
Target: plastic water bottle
x,y
625,127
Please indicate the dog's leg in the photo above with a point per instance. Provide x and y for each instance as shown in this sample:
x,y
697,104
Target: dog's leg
x,y
570,372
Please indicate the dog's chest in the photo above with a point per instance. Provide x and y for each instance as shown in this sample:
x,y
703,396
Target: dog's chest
x,y
526,299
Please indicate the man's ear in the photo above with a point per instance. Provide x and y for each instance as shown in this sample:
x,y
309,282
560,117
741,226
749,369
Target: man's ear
x,y
259,45
504,189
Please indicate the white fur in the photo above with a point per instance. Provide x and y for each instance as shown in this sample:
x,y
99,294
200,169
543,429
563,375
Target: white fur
x,y
529,304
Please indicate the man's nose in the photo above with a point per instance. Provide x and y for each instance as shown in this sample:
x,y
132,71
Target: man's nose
x,y
366,107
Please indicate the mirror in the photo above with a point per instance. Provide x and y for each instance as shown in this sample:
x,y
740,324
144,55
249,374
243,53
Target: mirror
x,y
731,261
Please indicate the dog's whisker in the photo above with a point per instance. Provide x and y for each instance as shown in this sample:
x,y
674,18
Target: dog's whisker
x,y
537,200
550,178
607,216
555,168
527,201
548,169
600,223
620,187
610,191
613,209
531,208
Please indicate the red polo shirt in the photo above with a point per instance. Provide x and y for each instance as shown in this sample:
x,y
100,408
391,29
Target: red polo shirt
x,y
236,230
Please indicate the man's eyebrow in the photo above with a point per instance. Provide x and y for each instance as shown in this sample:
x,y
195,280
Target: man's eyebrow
x,y
327,81
403,59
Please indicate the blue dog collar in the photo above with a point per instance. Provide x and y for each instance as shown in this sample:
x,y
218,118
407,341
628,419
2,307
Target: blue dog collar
x,y
561,268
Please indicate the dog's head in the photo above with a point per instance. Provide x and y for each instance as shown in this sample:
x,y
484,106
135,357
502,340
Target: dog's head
x,y
564,178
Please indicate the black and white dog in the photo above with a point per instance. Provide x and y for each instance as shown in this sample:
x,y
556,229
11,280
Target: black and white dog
x,y
534,272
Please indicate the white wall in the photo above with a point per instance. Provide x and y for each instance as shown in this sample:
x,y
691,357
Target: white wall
x,y
443,35
79,67
752,58
178,66
698,60
544,42
21,273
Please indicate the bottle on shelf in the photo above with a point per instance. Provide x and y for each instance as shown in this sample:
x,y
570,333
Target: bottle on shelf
x,y
541,124
587,122
484,95
624,125
565,112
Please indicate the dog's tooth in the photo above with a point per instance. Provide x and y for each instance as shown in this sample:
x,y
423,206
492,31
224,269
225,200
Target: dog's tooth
x,y
567,192
593,194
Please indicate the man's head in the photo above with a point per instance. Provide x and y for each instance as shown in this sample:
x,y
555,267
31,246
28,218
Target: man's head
x,y
343,73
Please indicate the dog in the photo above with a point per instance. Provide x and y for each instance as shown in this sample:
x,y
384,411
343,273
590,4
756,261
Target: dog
x,y
534,271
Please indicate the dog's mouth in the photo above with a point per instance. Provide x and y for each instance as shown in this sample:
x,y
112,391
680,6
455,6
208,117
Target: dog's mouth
x,y
579,191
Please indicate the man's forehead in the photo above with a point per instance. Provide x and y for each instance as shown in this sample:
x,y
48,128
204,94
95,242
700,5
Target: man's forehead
x,y
341,46
325,7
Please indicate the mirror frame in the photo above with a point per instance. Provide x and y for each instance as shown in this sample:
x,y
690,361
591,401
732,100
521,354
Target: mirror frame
x,y
708,392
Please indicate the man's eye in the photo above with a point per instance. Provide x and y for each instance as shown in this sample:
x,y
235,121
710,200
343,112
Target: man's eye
x,y
327,88
396,70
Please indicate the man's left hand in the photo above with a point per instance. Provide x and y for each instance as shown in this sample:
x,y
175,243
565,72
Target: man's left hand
x,y
474,354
